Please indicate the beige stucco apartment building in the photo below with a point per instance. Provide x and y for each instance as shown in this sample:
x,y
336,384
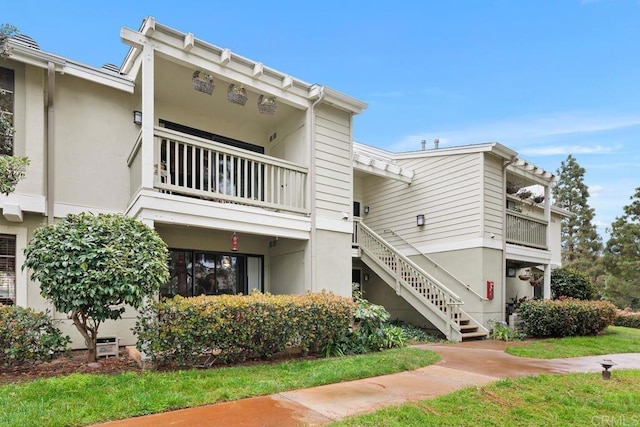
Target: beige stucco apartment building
x,y
252,178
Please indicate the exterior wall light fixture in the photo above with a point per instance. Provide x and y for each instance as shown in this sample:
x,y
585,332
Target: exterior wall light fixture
x,y
420,220
137,117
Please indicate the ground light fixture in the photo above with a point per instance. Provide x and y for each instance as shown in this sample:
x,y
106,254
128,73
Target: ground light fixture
x,y
607,364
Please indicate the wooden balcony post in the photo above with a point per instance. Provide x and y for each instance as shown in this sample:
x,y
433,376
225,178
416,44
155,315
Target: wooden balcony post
x,y
148,115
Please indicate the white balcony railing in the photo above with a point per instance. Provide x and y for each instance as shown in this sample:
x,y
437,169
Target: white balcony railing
x,y
526,231
195,167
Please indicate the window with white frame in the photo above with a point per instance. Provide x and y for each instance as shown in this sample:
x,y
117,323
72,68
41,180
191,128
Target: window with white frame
x,y
7,87
7,269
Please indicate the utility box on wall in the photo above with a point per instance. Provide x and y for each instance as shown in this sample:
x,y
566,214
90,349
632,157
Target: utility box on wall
x,y
107,346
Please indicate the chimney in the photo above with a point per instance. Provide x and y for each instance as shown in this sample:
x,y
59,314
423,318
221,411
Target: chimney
x,y
436,144
424,144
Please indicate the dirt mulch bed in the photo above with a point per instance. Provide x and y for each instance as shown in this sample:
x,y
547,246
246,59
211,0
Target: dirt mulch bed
x,y
77,363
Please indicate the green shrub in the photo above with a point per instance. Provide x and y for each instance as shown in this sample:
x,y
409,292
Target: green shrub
x,y
371,331
233,328
628,319
566,317
502,332
27,337
414,333
567,283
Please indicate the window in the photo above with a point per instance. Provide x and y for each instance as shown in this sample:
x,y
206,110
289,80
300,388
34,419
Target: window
x,y
7,82
7,269
356,209
193,273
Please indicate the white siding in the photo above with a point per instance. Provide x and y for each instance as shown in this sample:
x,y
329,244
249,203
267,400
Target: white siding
x,y
333,162
446,189
494,196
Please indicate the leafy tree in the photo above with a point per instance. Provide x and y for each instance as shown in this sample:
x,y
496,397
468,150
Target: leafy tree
x,y
571,284
581,244
12,168
622,257
91,266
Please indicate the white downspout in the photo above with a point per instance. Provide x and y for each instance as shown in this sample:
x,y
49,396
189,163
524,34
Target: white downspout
x,y
503,290
546,290
312,186
51,87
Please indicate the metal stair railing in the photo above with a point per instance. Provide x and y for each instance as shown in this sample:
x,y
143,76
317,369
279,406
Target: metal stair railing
x,y
441,300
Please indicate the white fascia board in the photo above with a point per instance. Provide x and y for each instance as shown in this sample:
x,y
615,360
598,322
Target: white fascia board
x,y
169,209
199,58
34,57
530,255
343,101
434,152
370,169
233,67
529,171
371,151
369,159
27,202
98,76
41,59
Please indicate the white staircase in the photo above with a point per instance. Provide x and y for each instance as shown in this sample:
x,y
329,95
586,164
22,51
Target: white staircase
x,y
439,305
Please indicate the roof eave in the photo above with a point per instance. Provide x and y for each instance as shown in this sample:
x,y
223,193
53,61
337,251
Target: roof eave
x,y
41,59
223,60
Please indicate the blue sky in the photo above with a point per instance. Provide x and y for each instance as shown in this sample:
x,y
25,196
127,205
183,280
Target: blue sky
x,y
544,77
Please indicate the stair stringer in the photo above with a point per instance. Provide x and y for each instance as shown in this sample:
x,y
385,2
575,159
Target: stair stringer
x,y
427,309
434,301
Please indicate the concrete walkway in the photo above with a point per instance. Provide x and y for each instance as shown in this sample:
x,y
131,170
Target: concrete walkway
x,y
473,363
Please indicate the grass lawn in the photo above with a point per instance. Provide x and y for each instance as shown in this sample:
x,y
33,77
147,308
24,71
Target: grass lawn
x,y
615,339
81,399
551,400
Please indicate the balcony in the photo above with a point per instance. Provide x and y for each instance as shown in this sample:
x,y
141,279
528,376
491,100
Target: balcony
x,y
526,231
194,167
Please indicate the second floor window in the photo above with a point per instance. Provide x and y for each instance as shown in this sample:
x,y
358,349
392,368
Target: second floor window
x,y
7,87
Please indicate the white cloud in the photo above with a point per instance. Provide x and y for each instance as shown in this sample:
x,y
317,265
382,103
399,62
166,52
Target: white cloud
x,y
523,131
597,190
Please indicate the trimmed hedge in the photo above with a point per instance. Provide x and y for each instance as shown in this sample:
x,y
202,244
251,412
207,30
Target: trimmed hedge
x,y
233,328
628,319
28,337
565,317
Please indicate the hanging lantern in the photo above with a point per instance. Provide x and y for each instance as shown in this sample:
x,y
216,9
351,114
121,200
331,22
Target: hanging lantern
x,y
234,243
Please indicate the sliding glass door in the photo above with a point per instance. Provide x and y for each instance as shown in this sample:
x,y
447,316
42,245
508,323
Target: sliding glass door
x,y
195,273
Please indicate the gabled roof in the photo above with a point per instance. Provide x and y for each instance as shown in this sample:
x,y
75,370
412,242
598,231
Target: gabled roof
x,y
513,163
29,53
186,49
